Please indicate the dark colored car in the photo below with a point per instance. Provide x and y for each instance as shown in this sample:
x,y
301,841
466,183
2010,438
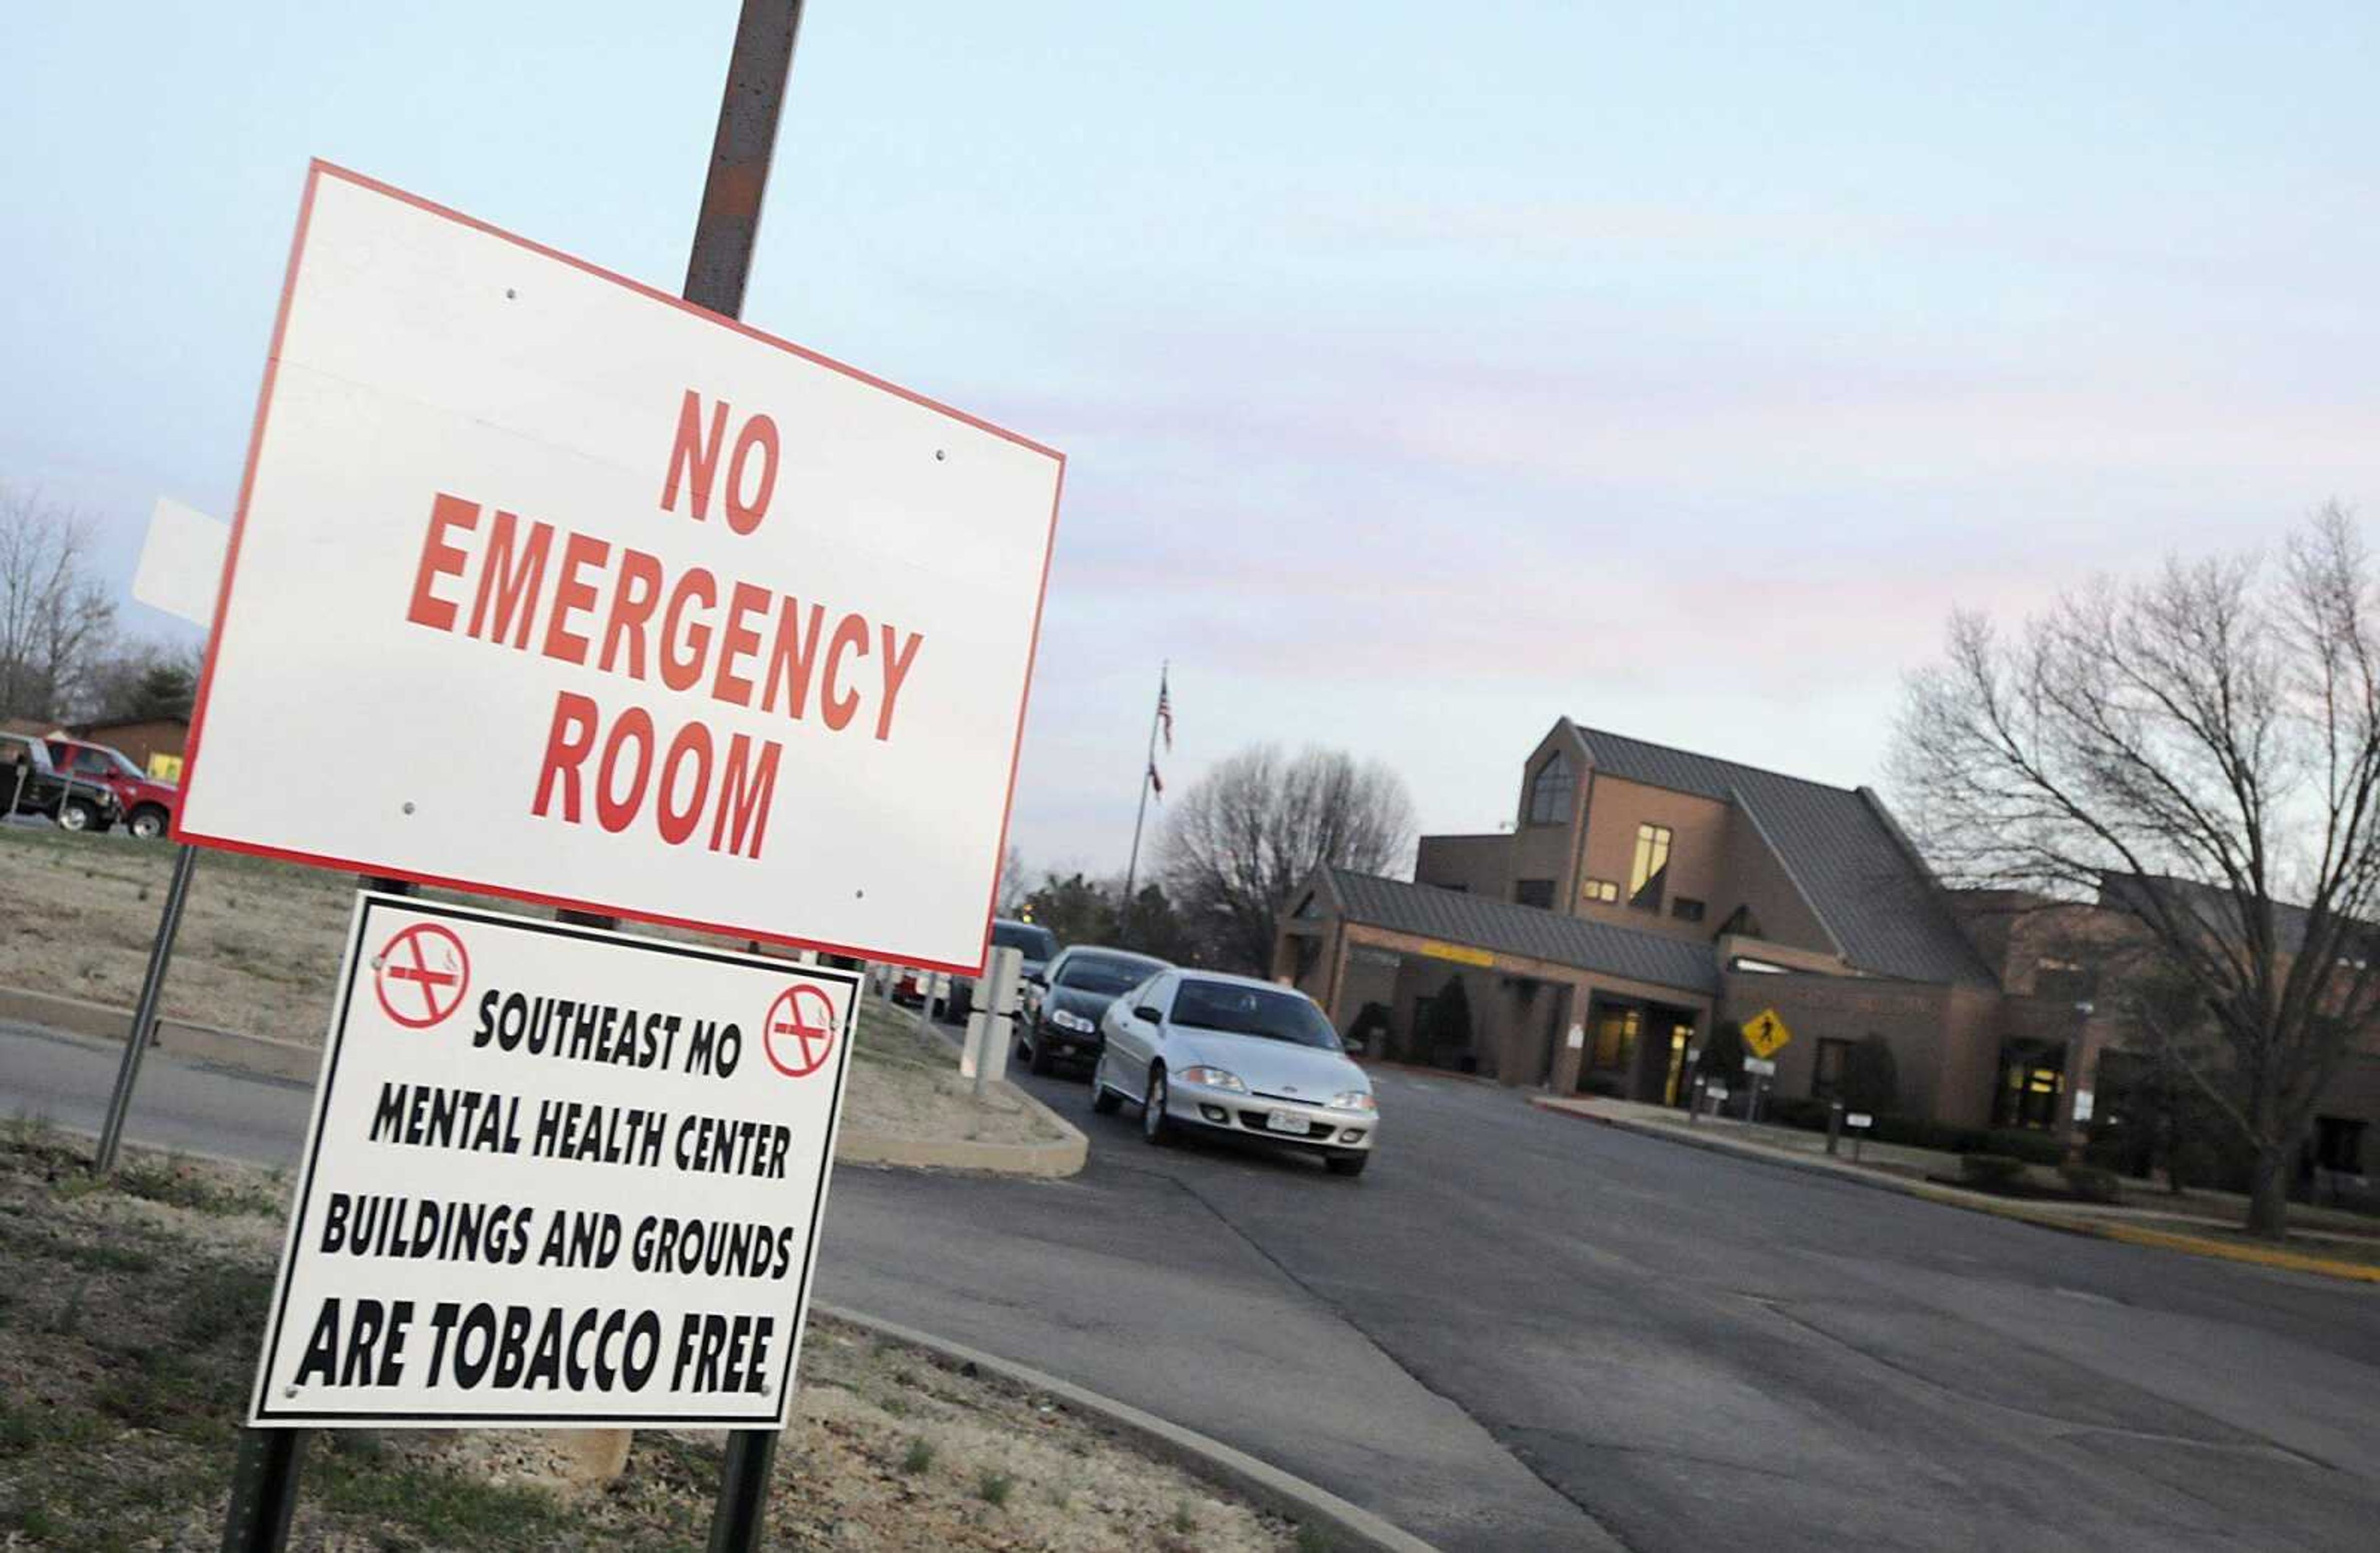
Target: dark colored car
x,y
1037,943
30,783
1071,997
147,804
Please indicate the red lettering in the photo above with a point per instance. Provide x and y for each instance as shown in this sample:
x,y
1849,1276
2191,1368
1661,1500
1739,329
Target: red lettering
x,y
515,590
615,813
680,673
896,672
440,559
693,459
632,606
789,660
745,790
567,742
760,433
693,742
850,634
578,552
737,641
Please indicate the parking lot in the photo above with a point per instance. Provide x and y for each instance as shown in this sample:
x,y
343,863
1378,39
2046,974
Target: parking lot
x,y
1523,1331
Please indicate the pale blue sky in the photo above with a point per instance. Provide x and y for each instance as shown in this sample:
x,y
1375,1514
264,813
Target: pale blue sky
x,y
1426,371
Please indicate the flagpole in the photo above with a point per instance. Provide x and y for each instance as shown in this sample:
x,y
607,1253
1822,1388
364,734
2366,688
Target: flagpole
x,y
1148,770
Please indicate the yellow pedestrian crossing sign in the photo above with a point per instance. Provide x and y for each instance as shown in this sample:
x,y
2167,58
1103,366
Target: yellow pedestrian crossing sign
x,y
1765,1033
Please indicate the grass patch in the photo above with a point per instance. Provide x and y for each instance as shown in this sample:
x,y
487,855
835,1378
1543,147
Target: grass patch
x,y
920,1456
442,1509
993,1487
177,1185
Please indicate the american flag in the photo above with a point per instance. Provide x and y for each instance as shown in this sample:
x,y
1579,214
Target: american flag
x,y
1155,781
1165,709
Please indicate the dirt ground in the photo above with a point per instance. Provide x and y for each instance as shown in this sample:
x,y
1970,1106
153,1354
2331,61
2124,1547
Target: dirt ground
x,y
258,954
129,1318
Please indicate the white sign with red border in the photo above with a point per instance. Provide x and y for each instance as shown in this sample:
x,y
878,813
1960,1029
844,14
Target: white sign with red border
x,y
557,1176
548,583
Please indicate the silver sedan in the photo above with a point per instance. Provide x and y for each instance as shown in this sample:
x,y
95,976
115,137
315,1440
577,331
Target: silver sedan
x,y
1201,1051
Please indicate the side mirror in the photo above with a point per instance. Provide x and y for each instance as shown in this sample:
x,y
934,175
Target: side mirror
x,y
1037,979
1149,1014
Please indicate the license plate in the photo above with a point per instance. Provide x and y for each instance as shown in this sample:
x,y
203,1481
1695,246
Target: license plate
x,y
1287,1122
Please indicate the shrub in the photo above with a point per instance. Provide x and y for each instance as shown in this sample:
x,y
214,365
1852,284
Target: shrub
x,y
1992,1172
1917,1132
1721,1057
1808,1114
920,1457
2033,1148
2091,1184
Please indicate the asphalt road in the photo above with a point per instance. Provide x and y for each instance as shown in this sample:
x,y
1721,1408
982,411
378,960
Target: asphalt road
x,y
1521,1332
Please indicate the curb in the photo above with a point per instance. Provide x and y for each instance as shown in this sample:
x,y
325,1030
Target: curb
x,y
1052,1160
2125,1234
1282,1492
303,1064
199,1043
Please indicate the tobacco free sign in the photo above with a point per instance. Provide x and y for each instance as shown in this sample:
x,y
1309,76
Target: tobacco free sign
x,y
557,1176
547,584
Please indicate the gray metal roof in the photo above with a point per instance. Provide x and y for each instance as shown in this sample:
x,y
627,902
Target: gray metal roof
x,y
1457,916
1841,847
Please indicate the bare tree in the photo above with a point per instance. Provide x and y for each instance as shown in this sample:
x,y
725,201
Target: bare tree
x,y
55,617
1251,829
2200,750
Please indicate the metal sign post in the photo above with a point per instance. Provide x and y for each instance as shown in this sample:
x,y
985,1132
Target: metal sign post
x,y
144,1014
716,272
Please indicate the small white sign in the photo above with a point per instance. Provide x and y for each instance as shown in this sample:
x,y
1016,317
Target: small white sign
x,y
551,584
1761,1067
2083,1101
557,1176
181,562
1577,1039
1859,1119
1717,1091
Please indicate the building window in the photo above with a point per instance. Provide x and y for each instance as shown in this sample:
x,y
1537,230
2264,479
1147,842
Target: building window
x,y
1616,1030
1741,922
1533,892
1650,875
1685,908
1552,791
1827,1078
2064,981
1599,890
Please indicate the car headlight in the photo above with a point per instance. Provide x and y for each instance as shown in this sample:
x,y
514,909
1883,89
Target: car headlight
x,y
1354,1099
1214,1078
1065,1020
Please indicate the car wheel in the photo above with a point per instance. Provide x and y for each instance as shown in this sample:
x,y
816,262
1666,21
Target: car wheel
x,y
1347,1164
1039,1060
78,816
1155,1125
148,824
1103,1100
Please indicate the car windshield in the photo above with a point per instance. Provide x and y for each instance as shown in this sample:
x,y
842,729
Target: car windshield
x,y
1111,974
121,762
1034,943
1240,1010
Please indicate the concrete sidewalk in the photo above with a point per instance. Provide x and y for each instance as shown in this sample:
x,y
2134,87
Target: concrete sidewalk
x,y
1897,1168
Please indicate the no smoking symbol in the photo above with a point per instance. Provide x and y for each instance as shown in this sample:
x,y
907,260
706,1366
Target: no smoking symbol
x,y
421,976
799,1035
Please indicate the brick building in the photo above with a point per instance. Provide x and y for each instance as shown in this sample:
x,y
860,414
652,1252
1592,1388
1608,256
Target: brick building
x,y
1646,894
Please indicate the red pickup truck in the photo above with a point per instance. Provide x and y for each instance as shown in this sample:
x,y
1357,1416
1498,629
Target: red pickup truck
x,y
146,803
